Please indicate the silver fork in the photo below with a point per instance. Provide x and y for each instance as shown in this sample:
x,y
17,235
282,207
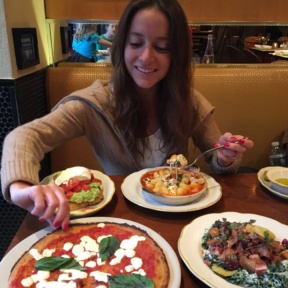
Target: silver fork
x,y
205,152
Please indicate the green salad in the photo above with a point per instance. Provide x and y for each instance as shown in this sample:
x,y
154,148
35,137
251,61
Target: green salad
x,y
246,254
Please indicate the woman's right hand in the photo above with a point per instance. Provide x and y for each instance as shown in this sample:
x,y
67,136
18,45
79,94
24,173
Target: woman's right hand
x,y
42,201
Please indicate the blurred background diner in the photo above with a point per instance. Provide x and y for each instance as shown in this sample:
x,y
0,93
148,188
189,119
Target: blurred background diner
x,y
108,35
85,41
243,39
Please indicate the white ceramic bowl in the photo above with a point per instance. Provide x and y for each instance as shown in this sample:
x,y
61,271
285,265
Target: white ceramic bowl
x,y
274,175
285,52
173,200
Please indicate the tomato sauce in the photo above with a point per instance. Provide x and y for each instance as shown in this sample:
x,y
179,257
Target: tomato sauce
x,y
143,251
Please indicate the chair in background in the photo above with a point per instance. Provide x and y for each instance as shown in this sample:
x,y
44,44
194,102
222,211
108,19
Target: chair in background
x,y
282,40
229,35
251,57
235,54
250,41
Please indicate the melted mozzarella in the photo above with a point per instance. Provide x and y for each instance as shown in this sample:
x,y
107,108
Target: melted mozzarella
x,y
75,274
81,173
132,242
136,262
38,277
27,282
129,268
119,254
140,271
37,256
84,250
68,246
100,276
90,244
175,159
91,264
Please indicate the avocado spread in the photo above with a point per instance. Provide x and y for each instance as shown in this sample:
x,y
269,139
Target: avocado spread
x,y
86,196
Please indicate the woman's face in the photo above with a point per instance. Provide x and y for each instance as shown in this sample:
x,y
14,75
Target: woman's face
x,y
111,29
147,56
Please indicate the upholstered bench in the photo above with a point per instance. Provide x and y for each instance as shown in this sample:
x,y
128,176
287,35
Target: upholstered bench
x,y
251,100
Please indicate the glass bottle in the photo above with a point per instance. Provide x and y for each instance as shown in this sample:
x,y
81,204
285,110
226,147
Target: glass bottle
x,y
208,57
277,155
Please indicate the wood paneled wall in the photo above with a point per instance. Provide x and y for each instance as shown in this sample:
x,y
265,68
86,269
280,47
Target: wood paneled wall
x,y
197,11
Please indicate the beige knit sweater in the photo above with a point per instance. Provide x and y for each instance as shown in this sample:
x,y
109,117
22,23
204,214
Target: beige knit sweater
x,y
87,112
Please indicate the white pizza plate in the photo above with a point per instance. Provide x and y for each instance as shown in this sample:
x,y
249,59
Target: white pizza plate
x,y
132,190
108,191
267,184
191,252
13,255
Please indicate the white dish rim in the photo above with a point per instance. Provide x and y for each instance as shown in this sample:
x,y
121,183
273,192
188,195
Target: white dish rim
x,y
267,184
132,190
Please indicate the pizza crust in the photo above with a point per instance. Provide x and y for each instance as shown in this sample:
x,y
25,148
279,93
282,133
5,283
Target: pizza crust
x,y
151,253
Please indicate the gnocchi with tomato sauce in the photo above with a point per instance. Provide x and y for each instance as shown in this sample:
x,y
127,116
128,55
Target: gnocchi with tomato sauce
x,y
172,182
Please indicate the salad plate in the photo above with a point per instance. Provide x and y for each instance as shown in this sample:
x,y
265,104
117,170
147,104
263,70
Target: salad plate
x,y
132,190
191,251
12,256
108,191
267,184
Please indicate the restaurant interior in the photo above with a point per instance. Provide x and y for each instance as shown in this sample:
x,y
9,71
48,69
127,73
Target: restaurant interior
x,y
253,87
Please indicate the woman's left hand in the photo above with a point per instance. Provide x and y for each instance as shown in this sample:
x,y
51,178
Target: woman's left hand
x,y
235,146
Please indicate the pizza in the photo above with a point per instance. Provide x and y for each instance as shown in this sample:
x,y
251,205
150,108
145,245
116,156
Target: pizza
x,y
103,254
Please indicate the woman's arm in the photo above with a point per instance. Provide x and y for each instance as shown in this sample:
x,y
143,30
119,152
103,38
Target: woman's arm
x,y
104,42
25,147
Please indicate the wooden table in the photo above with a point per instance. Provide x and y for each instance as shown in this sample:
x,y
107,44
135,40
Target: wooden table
x,y
241,193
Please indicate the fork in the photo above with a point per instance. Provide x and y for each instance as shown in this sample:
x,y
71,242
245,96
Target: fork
x,y
206,152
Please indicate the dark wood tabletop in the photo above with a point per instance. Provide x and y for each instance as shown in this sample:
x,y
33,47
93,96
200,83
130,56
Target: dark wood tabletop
x,y
241,193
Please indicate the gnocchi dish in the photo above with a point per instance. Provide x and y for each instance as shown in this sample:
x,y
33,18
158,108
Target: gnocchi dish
x,y
173,182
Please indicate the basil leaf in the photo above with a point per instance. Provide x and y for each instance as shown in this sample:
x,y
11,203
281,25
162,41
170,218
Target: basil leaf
x,y
108,247
130,281
52,263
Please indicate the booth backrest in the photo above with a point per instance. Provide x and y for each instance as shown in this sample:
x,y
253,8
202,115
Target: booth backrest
x,y
250,100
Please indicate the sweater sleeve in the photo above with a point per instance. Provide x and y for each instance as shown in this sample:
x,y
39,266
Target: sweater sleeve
x,y
25,146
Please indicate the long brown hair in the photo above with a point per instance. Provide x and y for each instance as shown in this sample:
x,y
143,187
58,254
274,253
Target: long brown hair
x,y
177,113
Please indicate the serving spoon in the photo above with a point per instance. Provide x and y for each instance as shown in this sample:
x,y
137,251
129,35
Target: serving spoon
x,y
204,153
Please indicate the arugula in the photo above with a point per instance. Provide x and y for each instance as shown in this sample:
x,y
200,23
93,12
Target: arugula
x,y
130,281
53,262
108,247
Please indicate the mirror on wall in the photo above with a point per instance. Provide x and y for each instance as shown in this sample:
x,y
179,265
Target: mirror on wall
x,y
223,37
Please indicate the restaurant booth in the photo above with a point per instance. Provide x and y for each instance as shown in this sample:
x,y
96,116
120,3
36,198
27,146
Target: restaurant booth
x,y
250,99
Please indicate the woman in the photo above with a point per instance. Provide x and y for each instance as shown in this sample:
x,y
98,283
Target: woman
x,y
84,43
137,120
108,35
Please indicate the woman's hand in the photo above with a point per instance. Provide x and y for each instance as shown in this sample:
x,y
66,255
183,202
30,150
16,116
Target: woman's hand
x,y
42,201
232,150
